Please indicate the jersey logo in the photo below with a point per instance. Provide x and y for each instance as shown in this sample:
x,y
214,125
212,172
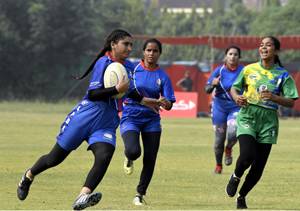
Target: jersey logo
x,y
245,125
107,135
253,76
272,133
158,82
94,83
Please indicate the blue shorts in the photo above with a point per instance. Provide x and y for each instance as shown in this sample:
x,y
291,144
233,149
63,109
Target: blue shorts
x,y
140,124
90,121
222,111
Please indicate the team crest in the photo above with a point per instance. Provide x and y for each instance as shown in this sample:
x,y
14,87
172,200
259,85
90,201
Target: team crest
x,y
262,88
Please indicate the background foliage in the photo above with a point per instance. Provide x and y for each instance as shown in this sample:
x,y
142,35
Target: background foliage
x,y
44,42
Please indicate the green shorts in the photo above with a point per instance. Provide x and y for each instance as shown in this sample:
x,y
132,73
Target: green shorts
x,y
259,122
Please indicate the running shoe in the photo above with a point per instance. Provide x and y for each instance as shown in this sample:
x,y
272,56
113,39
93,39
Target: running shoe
x,y
128,166
139,200
241,203
85,200
232,186
24,186
218,169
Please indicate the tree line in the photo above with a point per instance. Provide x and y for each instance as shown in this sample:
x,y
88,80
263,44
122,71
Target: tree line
x,y
44,42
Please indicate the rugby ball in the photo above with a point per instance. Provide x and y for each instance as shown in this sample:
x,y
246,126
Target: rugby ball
x,y
113,74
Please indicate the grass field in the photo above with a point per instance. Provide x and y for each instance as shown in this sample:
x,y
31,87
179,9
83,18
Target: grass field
x,y
183,179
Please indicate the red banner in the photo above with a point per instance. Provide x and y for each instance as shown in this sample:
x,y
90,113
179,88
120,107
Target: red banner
x,y
185,106
221,41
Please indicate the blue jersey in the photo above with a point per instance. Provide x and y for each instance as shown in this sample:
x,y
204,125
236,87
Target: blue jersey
x,y
223,106
96,80
227,78
148,83
93,121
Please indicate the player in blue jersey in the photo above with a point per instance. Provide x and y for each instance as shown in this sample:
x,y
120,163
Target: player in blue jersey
x,y
95,119
224,109
151,81
266,85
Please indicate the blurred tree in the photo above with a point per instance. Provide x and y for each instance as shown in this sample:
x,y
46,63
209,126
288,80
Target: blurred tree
x,y
14,48
279,21
271,3
61,35
51,40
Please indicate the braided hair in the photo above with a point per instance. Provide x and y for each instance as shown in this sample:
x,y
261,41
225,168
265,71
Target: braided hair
x,y
114,36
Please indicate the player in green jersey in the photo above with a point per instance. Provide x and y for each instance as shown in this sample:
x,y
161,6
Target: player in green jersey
x,y
266,85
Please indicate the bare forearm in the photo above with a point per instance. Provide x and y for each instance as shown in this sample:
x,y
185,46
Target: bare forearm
x,y
234,93
287,102
267,95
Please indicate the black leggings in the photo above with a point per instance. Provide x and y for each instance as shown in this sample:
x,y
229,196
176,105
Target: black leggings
x,y
103,153
254,155
151,141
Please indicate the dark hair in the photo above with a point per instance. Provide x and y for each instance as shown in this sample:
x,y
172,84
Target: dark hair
x,y
276,43
153,40
114,36
234,47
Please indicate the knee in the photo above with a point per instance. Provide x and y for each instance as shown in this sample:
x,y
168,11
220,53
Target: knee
x,y
255,174
246,161
133,154
232,139
220,136
106,156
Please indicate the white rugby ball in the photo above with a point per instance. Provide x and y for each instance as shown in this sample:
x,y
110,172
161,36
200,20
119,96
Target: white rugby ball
x,y
113,74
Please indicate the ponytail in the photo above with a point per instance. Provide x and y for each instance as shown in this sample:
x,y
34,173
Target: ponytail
x,y
114,36
277,61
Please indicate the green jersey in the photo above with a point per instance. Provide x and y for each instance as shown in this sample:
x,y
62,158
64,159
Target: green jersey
x,y
255,78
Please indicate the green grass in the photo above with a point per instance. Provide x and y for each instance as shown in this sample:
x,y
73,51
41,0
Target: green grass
x,y
183,178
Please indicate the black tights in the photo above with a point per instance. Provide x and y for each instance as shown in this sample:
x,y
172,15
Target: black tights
x,y
151,142
103,153
254,155
53,158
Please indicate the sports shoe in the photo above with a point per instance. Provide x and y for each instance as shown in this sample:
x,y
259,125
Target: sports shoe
x,y
23,186
232,186
241,203
218,169
128,166
85,200
228,156
139,200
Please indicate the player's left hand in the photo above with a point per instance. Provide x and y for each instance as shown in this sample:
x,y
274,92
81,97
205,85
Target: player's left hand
x,y
266,95
152,103
164,103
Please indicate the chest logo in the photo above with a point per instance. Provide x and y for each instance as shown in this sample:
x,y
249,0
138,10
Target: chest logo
x,y
158,82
